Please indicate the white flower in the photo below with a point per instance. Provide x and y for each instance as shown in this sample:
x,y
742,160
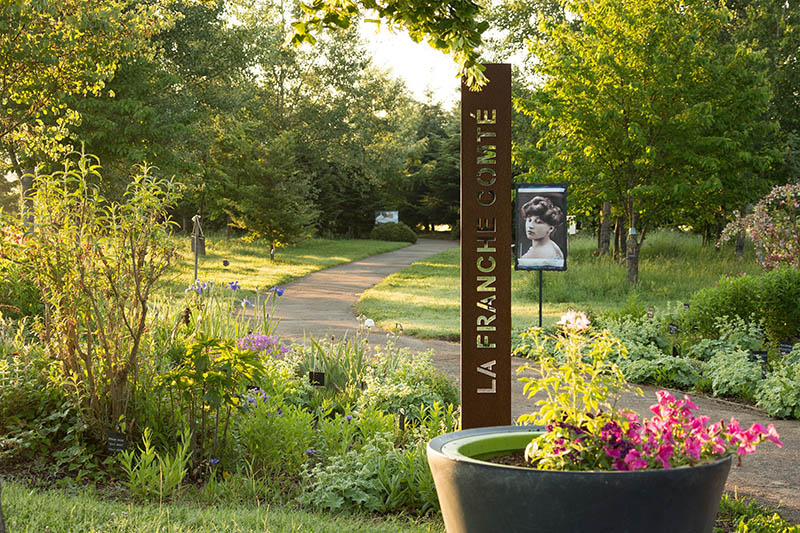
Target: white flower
x,y
574,320
369,323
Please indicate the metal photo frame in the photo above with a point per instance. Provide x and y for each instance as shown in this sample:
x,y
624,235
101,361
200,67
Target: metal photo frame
x,y
545,247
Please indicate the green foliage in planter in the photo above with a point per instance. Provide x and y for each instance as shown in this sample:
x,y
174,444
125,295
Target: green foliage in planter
x,y
770,297
393,232
779,393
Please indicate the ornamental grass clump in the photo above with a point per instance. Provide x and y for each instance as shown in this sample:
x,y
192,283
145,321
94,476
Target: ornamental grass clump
x,y
585,431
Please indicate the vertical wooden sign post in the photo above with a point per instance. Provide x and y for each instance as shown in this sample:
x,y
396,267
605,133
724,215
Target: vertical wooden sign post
x,y
486,251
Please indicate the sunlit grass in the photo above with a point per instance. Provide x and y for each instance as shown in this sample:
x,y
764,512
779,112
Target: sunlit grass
x,y
61,511
424,297
249,262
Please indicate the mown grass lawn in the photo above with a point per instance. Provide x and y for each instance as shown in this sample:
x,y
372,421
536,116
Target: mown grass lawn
x,y
424,298
82,511
249,262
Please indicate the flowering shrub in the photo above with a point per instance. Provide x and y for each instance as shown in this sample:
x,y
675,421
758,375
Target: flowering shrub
x,y
584,431
773,227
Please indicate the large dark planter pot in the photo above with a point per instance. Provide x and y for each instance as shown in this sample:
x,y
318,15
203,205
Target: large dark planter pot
x,y
477,496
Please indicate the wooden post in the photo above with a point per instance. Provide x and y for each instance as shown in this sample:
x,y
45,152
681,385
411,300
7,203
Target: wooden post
x,y
486,251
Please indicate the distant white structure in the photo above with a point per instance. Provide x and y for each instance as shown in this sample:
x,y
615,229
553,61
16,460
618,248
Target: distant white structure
x,y
385,217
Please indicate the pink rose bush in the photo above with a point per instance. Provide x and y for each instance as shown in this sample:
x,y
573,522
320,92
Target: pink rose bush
x,y
585,431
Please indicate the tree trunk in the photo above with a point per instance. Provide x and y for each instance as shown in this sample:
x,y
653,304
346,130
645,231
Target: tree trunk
x,y
2,521
617,230
26,184
633,253
605,229
741,237
740,240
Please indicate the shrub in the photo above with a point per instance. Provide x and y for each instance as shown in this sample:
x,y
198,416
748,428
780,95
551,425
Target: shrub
x,y
407,385
36,419
779,393
393,232
733,374
95,263
276,437
210,381
665,371
734,333
771,297
378,477
19,296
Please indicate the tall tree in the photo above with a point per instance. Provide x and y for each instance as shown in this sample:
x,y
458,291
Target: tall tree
x,y
53,48
643,103
433,172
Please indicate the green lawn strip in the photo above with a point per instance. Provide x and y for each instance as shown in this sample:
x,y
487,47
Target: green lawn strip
x,y
424,298
249,262
61,511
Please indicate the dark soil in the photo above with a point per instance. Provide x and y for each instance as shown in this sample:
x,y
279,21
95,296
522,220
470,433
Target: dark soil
x,y
514,459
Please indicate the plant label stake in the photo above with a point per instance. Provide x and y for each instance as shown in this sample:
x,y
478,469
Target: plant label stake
x,y
316,378
115,442
198,242
485,246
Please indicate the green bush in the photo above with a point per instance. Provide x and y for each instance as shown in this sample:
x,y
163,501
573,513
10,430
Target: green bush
x,y
411,384
36,419
393,232
664,371
734,334
733,374
378,477
277,437
779,393
19,296
770,297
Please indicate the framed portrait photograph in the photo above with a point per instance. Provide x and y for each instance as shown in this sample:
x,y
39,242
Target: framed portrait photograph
x,y
540,226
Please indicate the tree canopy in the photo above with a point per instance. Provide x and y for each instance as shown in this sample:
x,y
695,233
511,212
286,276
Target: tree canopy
x,y
646,104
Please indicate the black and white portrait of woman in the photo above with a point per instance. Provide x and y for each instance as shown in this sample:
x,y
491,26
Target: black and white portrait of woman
x,y
541,229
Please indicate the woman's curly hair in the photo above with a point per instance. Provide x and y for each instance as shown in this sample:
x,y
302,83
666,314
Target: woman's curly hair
x,y
545,209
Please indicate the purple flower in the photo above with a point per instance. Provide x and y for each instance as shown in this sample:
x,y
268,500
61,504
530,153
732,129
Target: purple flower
x,y
310,451
349,418
245,303
277,290
268,344
234,285
213,462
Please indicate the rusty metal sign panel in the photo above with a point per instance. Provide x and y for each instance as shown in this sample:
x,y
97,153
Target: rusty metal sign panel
x,y
486,251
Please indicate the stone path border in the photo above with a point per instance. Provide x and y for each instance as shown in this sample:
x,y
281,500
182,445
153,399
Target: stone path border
x,y
321,305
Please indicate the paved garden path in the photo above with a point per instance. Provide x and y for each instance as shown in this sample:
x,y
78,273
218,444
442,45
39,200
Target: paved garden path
x,y
321,305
